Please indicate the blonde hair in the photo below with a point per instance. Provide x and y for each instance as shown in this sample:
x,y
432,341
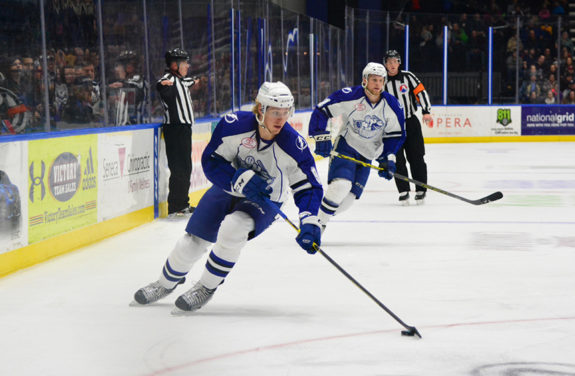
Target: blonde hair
x,y
256,108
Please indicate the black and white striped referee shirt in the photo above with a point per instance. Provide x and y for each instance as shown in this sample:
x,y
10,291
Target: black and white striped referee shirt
x,y
408,89
176,99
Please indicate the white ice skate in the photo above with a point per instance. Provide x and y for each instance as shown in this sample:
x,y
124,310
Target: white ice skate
x,y
152,293
193,299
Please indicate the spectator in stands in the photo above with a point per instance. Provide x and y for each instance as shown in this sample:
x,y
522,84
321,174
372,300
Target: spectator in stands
x,y
532,87
550,98
531,41
11,67
550,84
542,66
570,98
567,42
570,87
533,98
512,44
533,71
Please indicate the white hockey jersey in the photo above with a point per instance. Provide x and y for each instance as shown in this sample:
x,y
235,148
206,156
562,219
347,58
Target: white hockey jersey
x,y
285,162
373,130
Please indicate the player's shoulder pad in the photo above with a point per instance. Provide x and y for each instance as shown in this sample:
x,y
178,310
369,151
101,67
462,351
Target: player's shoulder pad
x,y
348,93
292,142
343,95
392,101
237,122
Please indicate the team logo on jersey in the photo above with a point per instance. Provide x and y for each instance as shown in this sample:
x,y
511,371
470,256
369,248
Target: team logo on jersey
x,y
231,118
360,106
369,126
346,90
249,142
257,166
403,88
300,143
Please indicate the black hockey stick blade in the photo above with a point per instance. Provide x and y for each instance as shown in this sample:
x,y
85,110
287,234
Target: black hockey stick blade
x,y
492,197
411,332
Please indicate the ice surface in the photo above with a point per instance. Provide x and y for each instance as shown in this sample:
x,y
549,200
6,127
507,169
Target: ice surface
x,y
491,288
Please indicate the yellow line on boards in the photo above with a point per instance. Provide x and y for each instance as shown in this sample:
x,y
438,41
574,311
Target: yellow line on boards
x,y
41,251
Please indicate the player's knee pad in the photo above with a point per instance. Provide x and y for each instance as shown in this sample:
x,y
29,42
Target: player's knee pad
x,y
346,203
337,190
233,234
188,249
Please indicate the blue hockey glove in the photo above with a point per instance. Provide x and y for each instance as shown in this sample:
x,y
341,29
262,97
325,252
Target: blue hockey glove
x,y
310,233
388,165
251,185
323,144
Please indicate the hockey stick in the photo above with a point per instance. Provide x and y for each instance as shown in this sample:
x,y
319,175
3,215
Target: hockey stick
x,y
411,330
492,197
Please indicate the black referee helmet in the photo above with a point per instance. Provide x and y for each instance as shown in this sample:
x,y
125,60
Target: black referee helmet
x,y
176,54
392,54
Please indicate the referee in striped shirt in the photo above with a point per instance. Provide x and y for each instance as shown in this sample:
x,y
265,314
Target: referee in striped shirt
x,y
177,128
409,91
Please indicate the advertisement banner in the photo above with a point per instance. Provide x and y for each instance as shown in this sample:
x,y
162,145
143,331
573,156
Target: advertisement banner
x,y
63,185
548,120
473,121
13,204
126,173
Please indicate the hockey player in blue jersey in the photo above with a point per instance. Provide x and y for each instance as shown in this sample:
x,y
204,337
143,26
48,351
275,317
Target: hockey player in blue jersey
x,y
252,159
372,128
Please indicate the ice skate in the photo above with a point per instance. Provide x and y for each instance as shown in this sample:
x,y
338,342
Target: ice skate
x,y
193,299
182,213
153,292
404,198
420,197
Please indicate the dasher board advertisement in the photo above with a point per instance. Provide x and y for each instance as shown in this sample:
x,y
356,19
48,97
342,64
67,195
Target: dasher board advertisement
x,y
63,186
13,192
126,174
473,121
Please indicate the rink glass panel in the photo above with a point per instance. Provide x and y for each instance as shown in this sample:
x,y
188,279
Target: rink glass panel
x,y
23,95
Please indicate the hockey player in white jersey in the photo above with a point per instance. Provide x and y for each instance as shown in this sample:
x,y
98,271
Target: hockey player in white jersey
x,y
252,159
372,128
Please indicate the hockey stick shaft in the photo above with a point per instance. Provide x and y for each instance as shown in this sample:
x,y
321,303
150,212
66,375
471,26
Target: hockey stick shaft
x,y
411,329
492,197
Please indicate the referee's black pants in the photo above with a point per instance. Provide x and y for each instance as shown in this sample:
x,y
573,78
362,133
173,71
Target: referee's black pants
x,y
178,138
414,149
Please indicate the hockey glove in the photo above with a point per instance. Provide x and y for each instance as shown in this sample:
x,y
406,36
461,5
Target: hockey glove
x,y
388,166
323,144
309,234
251,185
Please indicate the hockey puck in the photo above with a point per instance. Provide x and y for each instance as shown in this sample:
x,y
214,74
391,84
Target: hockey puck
x,y
407,333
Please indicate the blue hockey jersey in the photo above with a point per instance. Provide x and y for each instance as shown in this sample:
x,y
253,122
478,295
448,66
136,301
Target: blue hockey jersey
x,y
371,129
284,162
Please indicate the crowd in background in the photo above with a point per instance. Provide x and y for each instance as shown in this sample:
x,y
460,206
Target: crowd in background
x,y
545,66
76,92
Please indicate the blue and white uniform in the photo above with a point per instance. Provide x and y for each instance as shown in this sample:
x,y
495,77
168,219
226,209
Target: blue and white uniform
x,y
369,131
250,175
284,162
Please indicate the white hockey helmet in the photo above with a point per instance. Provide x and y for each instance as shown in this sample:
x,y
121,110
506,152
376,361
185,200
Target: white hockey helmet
x,y
375,69
275,94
